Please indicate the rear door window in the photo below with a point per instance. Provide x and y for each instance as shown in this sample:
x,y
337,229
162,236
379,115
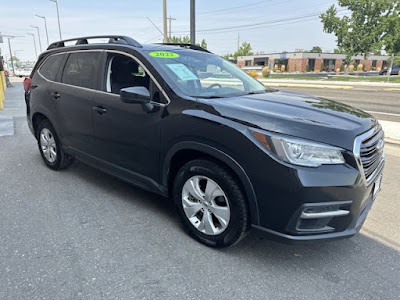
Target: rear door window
x,y
50,67
81,69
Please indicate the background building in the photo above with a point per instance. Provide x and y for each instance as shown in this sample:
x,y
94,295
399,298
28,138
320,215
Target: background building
x,y
306,61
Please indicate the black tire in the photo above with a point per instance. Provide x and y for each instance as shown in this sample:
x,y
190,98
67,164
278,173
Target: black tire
x,y
239,223
384,73
62,160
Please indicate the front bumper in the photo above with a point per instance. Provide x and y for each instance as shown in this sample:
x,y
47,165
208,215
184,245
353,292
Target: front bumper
x,y
351,230
330,202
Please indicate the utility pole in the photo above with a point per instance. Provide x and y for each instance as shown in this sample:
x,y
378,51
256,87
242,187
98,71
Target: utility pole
x,y
165,21
389,71
34,43
58,18
170,19
193,22
45,26
238,41
38,32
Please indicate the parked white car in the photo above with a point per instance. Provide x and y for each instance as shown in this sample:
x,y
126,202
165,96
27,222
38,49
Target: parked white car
x,y
25,72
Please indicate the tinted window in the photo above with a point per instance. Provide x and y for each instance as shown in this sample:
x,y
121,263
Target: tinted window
x,y
50,67
123,72
81,69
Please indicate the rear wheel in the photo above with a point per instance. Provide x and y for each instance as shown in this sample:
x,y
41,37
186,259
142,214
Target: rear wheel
x,y
50,147
211,204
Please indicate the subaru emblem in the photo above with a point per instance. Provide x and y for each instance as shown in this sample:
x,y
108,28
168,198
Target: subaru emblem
x,y
379,145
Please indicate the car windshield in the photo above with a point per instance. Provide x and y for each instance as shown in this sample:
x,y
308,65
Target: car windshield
x,y
203,75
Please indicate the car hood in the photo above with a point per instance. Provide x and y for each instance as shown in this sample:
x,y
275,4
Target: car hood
x,y
297,115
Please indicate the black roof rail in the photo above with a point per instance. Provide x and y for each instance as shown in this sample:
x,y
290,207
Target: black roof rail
x,y
189,46
112,39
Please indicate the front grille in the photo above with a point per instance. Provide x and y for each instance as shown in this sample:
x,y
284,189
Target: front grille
x,y
369,152
370,155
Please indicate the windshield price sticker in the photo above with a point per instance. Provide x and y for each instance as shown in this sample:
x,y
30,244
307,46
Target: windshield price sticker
x,y
182,72
164,54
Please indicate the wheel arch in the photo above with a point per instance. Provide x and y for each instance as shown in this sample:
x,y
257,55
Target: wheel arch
x,y
184,152
36,119
38,116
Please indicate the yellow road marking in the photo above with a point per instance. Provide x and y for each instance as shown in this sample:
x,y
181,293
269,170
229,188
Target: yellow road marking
x,y
392,89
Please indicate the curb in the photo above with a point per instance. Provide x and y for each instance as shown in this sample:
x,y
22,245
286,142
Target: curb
x,y
386,85
6,126
307,85
390,141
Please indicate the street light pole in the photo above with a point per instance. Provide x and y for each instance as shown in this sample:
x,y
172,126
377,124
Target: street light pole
x,y
193,22
34,43
58,17
11,57
38,32
165,21
9,37
45,26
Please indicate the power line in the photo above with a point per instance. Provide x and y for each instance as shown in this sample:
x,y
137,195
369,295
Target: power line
x,y
250,6
232,8
253,25
268,26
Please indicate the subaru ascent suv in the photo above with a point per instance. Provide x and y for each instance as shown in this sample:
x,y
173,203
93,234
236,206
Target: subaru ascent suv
x,y
181,122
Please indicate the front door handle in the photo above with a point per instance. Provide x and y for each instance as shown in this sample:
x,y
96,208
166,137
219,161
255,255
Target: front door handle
x,y
100,110
56,95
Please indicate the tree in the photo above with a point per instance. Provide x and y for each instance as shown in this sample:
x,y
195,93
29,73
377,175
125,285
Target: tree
x,y
372,25
316,49
203,44
227,56
339,51
396,60
186,40
179,39
244,50
14,58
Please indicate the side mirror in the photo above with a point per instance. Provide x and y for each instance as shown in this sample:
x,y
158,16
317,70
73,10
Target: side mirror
x,y
137,94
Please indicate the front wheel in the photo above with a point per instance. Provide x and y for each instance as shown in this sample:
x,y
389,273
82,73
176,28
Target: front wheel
x,y
211,204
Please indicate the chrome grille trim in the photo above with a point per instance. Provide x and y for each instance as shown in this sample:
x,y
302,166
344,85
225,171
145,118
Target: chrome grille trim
x,y
370,160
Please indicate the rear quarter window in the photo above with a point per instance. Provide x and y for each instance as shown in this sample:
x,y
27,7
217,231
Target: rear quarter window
x,y
50,67
81,69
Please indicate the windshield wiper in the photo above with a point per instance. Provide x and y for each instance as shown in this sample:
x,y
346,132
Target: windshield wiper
x,y
208,97
256,92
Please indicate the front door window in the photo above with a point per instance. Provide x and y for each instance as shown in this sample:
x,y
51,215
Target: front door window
x,y
123,72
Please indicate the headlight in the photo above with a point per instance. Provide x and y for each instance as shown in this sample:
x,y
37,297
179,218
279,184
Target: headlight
x,y
298,151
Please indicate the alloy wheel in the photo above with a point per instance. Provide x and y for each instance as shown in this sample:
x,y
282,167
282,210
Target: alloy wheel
x,y
205,205
48,145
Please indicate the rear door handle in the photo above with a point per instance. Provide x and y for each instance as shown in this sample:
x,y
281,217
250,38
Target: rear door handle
x,y
100,110
56,95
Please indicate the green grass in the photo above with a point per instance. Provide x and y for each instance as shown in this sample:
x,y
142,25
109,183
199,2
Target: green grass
x,y
393,79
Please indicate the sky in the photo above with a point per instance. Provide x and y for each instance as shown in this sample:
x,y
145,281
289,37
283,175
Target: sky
x,y
220,22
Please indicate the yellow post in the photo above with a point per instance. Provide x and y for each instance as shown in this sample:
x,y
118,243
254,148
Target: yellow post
x,y
3,86
3,77
1,93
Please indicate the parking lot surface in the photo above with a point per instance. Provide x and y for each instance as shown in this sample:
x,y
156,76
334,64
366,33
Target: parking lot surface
x,y
82,234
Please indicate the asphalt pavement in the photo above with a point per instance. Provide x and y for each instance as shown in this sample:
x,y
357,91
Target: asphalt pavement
x,y
82,234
